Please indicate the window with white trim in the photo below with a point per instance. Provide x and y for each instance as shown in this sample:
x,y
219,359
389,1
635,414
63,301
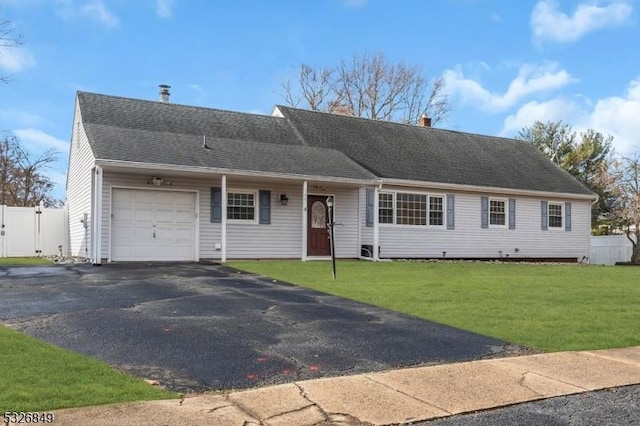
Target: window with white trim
x,y
436,210
241,206
555,215
411,209
497,212
385,207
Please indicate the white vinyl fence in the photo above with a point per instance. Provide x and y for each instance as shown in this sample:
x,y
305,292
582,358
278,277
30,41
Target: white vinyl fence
x,y
32,231
609,249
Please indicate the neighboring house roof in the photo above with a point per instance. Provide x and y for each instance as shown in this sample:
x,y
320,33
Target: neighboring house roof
x,y
312,143
409,152
138,131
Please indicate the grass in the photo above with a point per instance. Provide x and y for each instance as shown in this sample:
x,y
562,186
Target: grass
x,y
23,261
545,307
40,377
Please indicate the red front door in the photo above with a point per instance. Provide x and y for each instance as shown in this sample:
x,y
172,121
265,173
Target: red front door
x,y
317,220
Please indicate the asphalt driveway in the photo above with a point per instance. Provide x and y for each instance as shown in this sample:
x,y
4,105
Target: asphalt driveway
x,y
198,327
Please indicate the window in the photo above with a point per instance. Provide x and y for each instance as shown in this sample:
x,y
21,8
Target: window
x,y
555,215
411,209
241,206
436,211
385,207
497,213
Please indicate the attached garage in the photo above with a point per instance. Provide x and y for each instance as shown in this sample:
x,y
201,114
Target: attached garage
x,y
153,225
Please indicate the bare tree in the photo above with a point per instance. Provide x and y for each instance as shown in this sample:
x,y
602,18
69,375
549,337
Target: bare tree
x,y
370,87
22,181
8,39
625,180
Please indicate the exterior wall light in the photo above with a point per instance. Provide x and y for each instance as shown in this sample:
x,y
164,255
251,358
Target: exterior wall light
x,y
284,200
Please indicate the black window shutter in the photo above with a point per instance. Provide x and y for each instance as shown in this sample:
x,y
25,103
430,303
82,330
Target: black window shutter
x,y
451,224
265,207
484,202
216,205
544,206
567,216
512,213
370,200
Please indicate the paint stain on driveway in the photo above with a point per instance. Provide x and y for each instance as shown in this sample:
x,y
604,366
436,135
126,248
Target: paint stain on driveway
x,y
196,327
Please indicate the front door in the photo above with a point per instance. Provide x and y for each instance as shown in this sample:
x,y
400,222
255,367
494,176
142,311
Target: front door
x,y
317,220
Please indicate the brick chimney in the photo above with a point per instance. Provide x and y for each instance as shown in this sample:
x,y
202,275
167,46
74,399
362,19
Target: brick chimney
x,y
424,121
164,93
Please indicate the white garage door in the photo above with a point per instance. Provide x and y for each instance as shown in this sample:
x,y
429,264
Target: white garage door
x,y
153,225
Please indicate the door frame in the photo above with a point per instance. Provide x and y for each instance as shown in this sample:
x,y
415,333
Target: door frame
x,y
308,227
196,228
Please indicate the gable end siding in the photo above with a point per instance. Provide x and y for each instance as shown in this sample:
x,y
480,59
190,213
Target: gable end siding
x,y
81,163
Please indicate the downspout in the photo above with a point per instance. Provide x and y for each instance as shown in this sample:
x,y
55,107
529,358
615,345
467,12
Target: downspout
x,y
96,229
223,221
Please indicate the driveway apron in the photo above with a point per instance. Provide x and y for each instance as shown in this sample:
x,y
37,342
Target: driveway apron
x,y
196,327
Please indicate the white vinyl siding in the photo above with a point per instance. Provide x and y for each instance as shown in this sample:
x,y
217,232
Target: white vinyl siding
x,y
81,162
469,240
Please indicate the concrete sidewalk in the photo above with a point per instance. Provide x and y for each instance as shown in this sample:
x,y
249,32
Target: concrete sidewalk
x,y
392,397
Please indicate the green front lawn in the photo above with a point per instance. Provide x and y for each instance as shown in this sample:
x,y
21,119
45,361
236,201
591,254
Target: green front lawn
x,y
546,307
40,377
23,261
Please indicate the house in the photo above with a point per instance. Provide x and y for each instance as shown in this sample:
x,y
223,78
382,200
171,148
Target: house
x,y
156,181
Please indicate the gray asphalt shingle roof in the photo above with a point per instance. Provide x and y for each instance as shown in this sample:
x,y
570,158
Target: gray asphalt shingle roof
x,y
312,144
153,132
409,152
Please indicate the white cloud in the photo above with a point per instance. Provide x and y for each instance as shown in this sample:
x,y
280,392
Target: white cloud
x,y
550,24
36,140
552,110
15,59
164,8
616,116
530,79
619,116
94,10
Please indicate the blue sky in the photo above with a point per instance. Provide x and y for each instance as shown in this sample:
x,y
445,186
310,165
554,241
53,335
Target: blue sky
x,y
506,63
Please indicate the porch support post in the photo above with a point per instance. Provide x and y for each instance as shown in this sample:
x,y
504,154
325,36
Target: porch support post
x,y
223,221
96,229
376,230
303,254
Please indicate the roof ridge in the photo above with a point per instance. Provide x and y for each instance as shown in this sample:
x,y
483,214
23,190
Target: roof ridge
x,y
428,128
170,104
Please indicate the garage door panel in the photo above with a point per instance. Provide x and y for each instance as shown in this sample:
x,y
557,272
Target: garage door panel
x,y
153,225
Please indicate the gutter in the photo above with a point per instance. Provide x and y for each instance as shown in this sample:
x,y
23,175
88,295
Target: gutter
x,y
488,189
232,172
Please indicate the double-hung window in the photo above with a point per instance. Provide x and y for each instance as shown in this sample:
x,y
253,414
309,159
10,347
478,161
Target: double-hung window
x,y
497,212
241,206
555,215
436,210
385,207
